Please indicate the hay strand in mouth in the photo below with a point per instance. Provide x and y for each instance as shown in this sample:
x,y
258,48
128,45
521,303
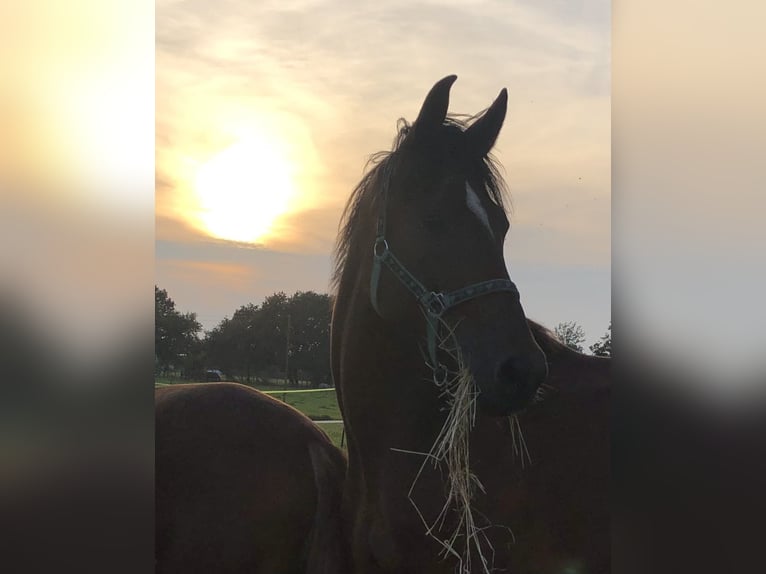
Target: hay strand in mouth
x,y
451,450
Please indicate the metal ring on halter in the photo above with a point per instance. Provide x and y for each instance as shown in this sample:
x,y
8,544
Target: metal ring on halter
x,y
380,242
435,304
441,373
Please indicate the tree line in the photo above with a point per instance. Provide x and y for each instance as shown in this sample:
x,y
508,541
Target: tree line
x,y
573,336
285,338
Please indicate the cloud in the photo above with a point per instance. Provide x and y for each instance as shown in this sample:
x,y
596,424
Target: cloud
x,y
347,74
335,79
214,278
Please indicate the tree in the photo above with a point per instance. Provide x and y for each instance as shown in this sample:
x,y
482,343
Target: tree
x,y
603,347
310,336
175,333
232,345
270,332
193,364
571,334
256,340
253,342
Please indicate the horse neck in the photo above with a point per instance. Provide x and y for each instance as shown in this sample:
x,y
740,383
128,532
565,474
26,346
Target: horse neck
x,y
379,369
389,351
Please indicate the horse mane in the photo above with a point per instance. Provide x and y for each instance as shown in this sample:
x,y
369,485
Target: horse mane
x,y
547,339
369,190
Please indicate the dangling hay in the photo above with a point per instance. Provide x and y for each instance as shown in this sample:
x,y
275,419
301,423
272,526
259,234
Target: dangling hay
x,y
451,450
520,449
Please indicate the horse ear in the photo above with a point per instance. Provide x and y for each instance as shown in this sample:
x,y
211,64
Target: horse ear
x,y
484,131
434,108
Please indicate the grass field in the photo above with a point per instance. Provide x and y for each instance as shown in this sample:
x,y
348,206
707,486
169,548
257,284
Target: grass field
x,y
335,432
317,405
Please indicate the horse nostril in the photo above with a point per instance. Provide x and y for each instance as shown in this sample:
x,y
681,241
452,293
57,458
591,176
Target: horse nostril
x,y
520,375
513,371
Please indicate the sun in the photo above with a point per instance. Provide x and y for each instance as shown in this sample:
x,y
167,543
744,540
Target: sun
x,y
243,190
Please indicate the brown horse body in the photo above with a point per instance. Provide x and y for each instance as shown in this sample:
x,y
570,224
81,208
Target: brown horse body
x,y
244,484
551,488
550,511
562,521
533,520
236,494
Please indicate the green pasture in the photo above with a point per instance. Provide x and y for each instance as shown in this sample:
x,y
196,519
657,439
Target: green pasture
x,y
335,432
317,404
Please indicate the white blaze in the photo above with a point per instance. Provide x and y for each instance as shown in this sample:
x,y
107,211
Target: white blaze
x,y
474,204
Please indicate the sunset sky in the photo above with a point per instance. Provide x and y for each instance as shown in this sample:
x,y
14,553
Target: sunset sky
x,y
266,113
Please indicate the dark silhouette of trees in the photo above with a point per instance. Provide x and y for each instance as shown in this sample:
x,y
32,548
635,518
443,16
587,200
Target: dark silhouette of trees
x,y
175,333
571,334
283,338
603,347
309,353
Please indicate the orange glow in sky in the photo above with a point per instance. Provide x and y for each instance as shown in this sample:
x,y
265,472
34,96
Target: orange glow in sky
x,y
243,190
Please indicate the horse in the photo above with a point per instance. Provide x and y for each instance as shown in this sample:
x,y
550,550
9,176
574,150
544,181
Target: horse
x,y
561,481
430,349
244,484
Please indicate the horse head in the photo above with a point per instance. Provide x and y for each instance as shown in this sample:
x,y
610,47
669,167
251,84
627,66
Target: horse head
x,y
438,253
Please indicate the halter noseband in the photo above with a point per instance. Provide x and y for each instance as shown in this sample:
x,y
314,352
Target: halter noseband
x,y
433,303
